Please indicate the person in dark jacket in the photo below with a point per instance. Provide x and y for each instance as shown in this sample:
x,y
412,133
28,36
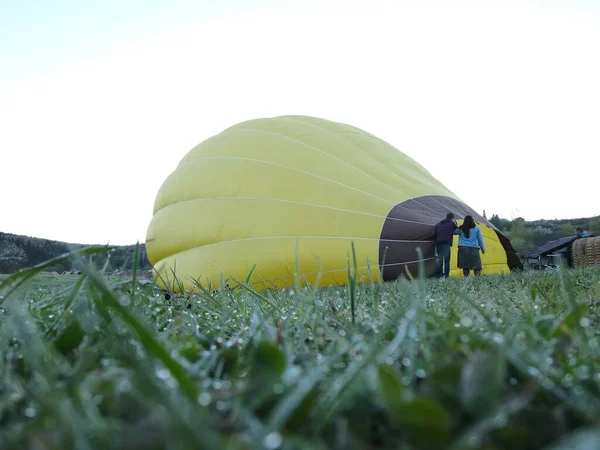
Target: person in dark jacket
x,y
443,235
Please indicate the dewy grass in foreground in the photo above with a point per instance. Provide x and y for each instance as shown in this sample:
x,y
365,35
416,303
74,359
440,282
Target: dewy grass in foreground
x,y
494,362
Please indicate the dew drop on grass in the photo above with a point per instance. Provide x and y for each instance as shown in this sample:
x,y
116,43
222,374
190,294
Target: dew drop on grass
x,y
533,371
466,322
125,301
406,362
498,338
499,420
513,381
51,316
568,380
204,399
272,440
583,372
572,361
464,338
162,373
342,333
474,441
106,362
421,373
30,412
277,388
548,383
124,386
221,406
584,322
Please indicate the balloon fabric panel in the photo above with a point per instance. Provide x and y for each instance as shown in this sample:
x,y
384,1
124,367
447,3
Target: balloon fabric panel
x,y
267,194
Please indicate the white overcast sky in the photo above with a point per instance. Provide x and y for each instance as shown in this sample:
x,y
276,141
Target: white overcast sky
x,y
100,100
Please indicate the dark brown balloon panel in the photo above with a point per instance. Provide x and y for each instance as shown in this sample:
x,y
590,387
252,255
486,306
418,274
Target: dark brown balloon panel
x,y
411,225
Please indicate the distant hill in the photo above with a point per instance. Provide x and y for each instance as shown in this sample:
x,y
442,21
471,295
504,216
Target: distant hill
x,y
527,235
17,252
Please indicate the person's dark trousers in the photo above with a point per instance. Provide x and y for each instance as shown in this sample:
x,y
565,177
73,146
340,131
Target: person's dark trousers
x,y
443,260
467,272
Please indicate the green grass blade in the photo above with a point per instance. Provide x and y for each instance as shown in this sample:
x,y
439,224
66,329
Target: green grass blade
x,y
147,339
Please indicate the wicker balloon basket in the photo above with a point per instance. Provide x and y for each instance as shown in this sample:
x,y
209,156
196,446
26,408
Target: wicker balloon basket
x,y
586,252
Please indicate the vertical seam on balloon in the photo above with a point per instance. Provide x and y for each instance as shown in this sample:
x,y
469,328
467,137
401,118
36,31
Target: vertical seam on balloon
x,y
441,204
400,205
364,151
458,207
350,165
414,199
322,152
451,201
310,174
422,169
295,169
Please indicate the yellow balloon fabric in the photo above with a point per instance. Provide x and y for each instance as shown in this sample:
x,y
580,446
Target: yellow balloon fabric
x,y
289,195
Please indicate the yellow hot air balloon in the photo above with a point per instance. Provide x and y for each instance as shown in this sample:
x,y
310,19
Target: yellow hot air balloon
x,y
289,195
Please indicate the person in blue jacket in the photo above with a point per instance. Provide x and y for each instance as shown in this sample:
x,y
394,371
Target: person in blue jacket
x,y
470,242
580,233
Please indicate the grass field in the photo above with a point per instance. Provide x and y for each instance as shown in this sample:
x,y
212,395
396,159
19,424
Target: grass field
x,y
494,362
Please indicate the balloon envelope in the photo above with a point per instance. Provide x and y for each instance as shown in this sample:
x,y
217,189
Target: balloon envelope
x,y
290,195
